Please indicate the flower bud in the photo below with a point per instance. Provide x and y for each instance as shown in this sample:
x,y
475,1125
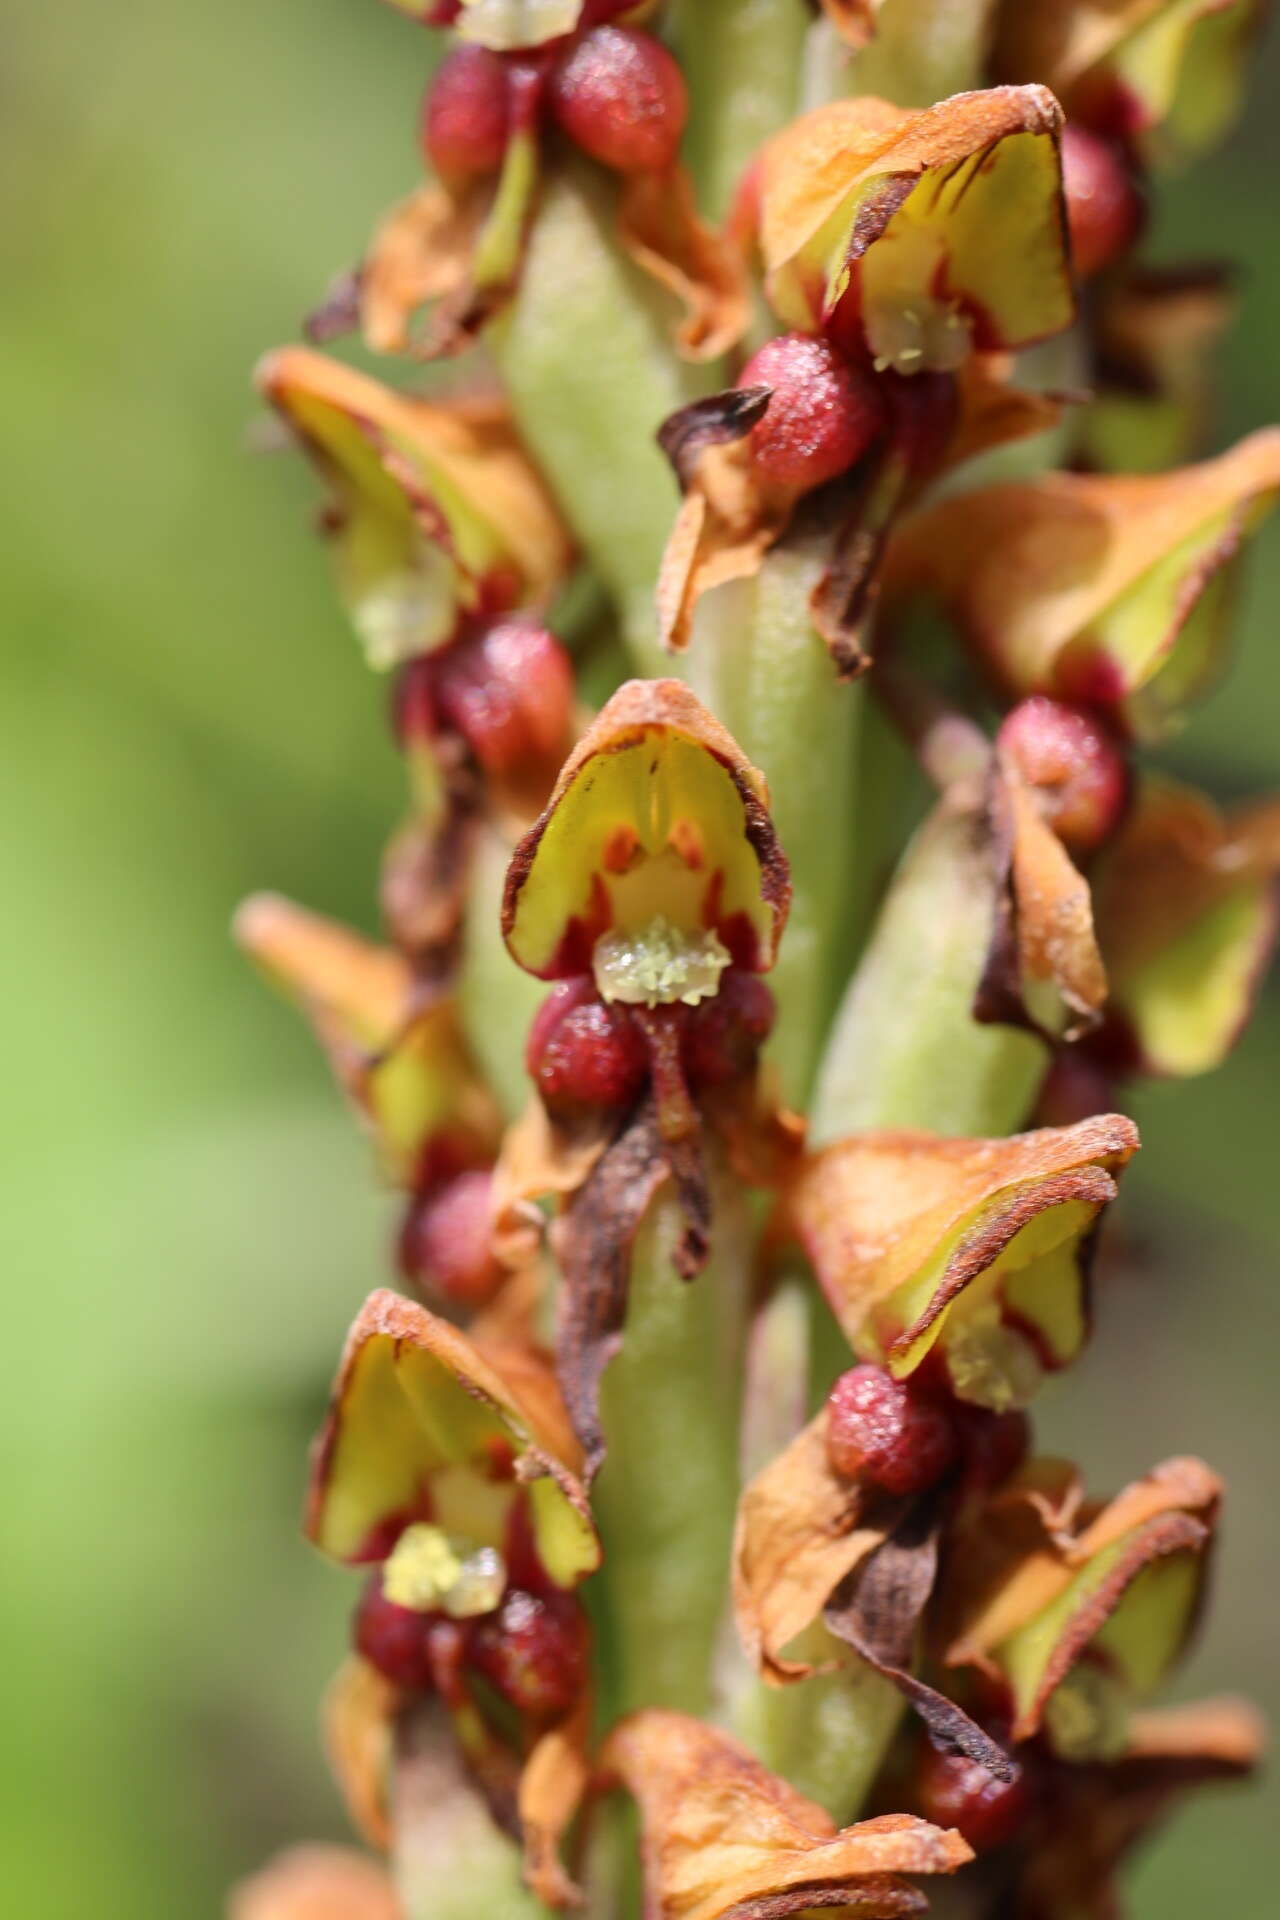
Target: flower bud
x,y
1105,209
823,413
1076,767
466,114
508,690
993,1445
533,1650
444,1248
723,1035
393,1639
882,1429
955,1792
584,1055
621,97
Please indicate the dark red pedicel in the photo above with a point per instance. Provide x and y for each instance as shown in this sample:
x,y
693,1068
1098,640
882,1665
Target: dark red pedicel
x,y
466,114
722,1036
1075,1088
823,413
955,1792
1105,209
1077,767
393,1639
533,1650
583,1055
620,96
444,1247
880,1429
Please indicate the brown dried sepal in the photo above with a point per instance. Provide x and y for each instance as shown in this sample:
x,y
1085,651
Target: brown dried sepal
x,y
553,1785
872,1212
358,1720
1043,932
593,1239
721,1836
800,1529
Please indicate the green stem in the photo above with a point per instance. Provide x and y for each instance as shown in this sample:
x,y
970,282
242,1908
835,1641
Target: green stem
x,y
586,356
666,1495
757,662
437,1819
741,59
905,1050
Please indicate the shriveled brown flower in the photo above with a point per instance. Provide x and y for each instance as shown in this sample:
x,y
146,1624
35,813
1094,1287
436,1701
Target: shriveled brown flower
x,y
316,1882
722,1837
978,1247
1104,588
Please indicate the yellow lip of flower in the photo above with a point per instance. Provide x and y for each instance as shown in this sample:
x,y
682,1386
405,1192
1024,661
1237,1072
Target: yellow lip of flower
x,y
403,1063
655,862
1086,1608
980,1247
421,1416
723,1835
936,231
1170,70
437,510
1106,588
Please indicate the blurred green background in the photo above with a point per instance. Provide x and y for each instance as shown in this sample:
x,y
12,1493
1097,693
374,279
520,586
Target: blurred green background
x,y
188,1215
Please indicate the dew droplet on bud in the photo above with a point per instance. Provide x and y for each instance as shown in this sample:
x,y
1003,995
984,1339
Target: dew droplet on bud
x,y
445,1246
466,115
823,413
621,97
1105,209
884,1430
1077,768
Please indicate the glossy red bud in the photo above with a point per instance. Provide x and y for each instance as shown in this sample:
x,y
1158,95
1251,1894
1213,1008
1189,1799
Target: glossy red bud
x,y
393,1639
508,690
444,1247
533,1650
723,1035
621,97
466,114
584,1055
955,1792
823,413
1105,208
1077,767
881,1429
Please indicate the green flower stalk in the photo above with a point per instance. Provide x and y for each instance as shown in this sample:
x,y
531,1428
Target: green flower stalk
x,y
754,1122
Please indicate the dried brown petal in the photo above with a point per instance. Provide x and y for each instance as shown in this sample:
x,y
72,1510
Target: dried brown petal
x,y
721,1836
800,1529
